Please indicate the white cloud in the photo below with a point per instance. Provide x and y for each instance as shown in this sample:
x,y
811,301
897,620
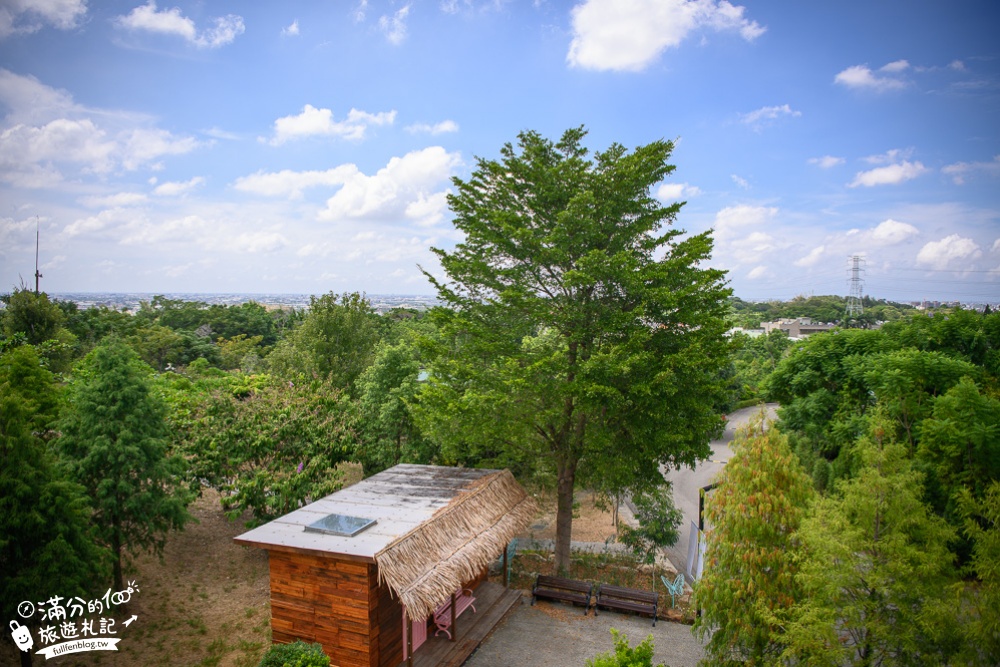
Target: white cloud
x,y
394,27
403,183
758,118
171,22
960,170
54,262
115,201
189,228
890,156
996,245
174,189
287,183
259,242
438,128
733,218
141,146
670,192
428,210
862,77
319,122
812,258
889,175
292,30
630,34
360,10
895,66
759,271
827,161
24,148
740,181
31,102
108,219
29,16
940,254
892,232
47,131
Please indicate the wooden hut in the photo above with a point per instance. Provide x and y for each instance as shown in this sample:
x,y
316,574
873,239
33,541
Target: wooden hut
x,y
368,570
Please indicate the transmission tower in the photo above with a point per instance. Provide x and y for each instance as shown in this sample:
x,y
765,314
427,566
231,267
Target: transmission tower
x,y
854,305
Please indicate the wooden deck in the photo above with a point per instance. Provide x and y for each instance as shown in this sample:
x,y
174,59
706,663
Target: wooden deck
x,y
493,603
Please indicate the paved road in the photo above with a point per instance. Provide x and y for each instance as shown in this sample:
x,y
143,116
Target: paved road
x,y
687,482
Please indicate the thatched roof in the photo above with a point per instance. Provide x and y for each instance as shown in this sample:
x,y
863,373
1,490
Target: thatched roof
x,y
429,563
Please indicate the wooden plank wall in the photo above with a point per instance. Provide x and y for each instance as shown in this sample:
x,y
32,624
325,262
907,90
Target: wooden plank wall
x,y
328,601
390,626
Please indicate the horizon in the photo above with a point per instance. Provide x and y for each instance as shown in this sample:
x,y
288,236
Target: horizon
x,y
188,147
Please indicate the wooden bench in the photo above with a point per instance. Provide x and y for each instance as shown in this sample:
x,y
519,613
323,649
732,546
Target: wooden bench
x,y
442,616
567,590
626,599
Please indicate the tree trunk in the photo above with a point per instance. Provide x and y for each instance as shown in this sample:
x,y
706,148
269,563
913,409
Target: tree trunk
x,y
564,513
116,549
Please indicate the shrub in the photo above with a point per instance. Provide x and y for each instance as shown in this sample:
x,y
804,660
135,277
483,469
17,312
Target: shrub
x,y
296,654
625,655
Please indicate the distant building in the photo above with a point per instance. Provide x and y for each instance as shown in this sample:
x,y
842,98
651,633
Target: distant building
x,y
799,327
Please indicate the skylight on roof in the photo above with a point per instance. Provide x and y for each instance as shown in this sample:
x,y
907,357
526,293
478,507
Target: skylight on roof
x,y
340,524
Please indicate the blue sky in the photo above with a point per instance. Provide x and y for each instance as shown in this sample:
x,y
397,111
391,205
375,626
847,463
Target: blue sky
x,y
305,147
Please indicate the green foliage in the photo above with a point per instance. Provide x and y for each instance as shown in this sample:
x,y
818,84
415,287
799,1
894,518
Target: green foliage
x,y
46,541
32,315
240,352
754,359
961,440
96,323
269,446
749,583
828,385
335,342
830,308
658,520
386,389
624,655
874,569
577,328
114,438
296,654
981,625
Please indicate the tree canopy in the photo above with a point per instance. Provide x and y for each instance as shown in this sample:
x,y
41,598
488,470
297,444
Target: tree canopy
x,y
114,438
578,324
749,582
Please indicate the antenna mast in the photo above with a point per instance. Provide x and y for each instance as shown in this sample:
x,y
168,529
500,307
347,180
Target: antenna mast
x,y
37,274
854,304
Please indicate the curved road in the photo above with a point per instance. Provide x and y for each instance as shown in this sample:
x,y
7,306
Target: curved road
x,y
688,482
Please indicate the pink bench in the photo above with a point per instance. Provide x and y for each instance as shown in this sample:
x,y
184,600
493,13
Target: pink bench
x,y
442,617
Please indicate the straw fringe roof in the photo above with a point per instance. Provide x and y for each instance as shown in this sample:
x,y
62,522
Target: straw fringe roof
x,y
425,566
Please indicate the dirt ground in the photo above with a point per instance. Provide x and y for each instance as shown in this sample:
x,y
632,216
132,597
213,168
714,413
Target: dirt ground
x,y
590,523
206,604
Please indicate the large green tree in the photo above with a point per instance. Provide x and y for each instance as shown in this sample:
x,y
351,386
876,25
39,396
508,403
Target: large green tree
x,y
47,544
114,437
577,323
335,342
269,446
875,569
749,582
982,624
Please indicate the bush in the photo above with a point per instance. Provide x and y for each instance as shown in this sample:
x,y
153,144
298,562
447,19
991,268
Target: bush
x,y
626,656
296,654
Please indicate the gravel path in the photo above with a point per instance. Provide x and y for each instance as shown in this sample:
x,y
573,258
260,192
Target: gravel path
x,y
558,635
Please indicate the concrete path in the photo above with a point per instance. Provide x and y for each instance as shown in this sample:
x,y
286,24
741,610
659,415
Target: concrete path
x,y
559,635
